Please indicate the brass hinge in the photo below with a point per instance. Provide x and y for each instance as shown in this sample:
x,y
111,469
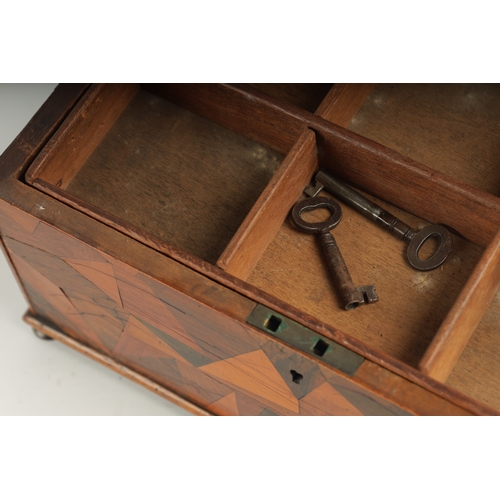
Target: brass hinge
x,y
300,337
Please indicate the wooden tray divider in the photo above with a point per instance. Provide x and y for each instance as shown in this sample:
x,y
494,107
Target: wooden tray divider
x,y
86,126
409,185
343,102
465,315
271,209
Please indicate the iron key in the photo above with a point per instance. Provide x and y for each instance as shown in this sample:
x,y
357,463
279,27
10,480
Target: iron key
x,y
352,296
372,211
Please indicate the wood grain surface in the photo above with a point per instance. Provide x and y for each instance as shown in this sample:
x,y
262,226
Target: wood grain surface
x,y
268,214
412,304
165,320
412,186
450,128
210,359
343,101
377,169
271,209
85,128
463,319
222,299
177,176
453,129
477,371
30,143
304,95
53,332
410,395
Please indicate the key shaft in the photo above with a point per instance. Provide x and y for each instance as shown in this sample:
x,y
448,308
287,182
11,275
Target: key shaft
x,y
387,221
351,295
361,204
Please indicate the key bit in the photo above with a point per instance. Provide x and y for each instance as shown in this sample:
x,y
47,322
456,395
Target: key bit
x,y
389,222
369,293
351,296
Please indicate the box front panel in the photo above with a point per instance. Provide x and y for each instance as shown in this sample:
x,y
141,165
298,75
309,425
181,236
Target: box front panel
x,y
211,359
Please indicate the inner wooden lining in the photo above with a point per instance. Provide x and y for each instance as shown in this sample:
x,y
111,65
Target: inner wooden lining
x,y
366,164
269,212
176,175
465,316
477,372
452,128
304,95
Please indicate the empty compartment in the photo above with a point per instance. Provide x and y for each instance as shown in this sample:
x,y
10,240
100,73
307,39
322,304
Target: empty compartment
x,y
452,128
162,172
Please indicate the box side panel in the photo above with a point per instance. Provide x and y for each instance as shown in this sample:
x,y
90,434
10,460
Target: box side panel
x,y
214,360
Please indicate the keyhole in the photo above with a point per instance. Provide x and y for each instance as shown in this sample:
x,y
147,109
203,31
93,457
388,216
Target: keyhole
x,y
296,377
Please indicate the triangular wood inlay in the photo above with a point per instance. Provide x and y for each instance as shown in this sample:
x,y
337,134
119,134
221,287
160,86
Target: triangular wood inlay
x,y
268,413
249,406
100,274
58,300
368,402
140,301
325,400
27,222
200,387
292,366
108,324
225,406
219,336
254,373
136,330
191,356
62,245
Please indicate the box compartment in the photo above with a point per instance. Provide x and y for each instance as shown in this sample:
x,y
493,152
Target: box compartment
x,y
452,128
422,319
156,170
213,170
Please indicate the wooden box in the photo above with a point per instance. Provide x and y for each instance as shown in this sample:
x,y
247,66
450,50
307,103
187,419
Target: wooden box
x,y
148,226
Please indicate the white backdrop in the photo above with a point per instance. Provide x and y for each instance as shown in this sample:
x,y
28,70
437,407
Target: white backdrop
x,y
45,377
